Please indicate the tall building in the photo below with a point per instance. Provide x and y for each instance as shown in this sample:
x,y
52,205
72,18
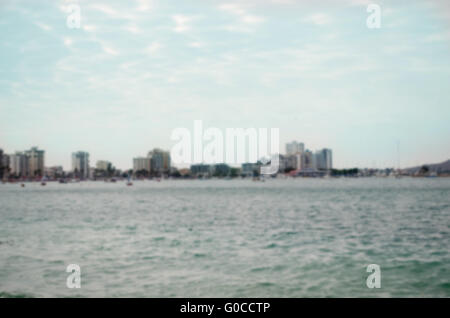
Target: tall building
x,y
309,160
35,162
324,160
142,164
18,164
80,164
28,163
298,160
294,147
2,166
5,162
160,161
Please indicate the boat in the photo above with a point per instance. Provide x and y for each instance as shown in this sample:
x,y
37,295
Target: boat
x,y
23,185
129,183
43,181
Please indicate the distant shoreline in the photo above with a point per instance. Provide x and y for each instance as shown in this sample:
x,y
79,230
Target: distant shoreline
x,y
258,179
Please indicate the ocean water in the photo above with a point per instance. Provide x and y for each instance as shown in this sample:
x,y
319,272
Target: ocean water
x,y
227,238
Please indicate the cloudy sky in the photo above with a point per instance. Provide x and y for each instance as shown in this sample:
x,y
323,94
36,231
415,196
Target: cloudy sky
x,y
136,70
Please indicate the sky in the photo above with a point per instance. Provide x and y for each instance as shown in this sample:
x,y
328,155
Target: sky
x,y
134,71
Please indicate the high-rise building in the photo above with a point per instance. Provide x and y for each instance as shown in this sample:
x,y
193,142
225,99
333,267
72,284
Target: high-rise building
x,y
80,164
2,166
324,159
35,162
142,164
28,163
5,162
294,147
160,161
298,160
18,164
309,160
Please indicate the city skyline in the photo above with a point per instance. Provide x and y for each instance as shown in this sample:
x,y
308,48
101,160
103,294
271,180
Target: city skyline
x,y
284,151
134,72
156,160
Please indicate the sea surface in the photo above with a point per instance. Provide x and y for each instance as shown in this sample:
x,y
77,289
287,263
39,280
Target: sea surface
x,y
227,238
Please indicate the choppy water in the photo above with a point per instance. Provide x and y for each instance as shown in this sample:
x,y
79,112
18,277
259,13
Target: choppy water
x,y
229,238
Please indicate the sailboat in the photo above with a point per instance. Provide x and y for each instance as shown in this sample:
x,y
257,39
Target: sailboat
x,y
129,183
43,181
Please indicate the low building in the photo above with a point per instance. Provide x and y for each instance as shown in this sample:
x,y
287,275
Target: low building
x,y
184,172
220,170
54,172
308,172
91,173
250,169
201,170
103,165
142,166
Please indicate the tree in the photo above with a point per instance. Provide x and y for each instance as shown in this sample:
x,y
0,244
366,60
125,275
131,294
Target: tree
x,y
110,169
424,170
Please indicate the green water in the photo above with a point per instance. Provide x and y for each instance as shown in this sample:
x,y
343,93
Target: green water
x,y
227,238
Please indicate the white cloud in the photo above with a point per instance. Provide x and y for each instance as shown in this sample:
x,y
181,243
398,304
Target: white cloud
x,y
133,28
104,9
68,42
43,26
437,37
109,50
318,19
196,44
181,23
153,48
89,28
395,49
251,19
144,5
360,2
112,12
241,13
232,8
